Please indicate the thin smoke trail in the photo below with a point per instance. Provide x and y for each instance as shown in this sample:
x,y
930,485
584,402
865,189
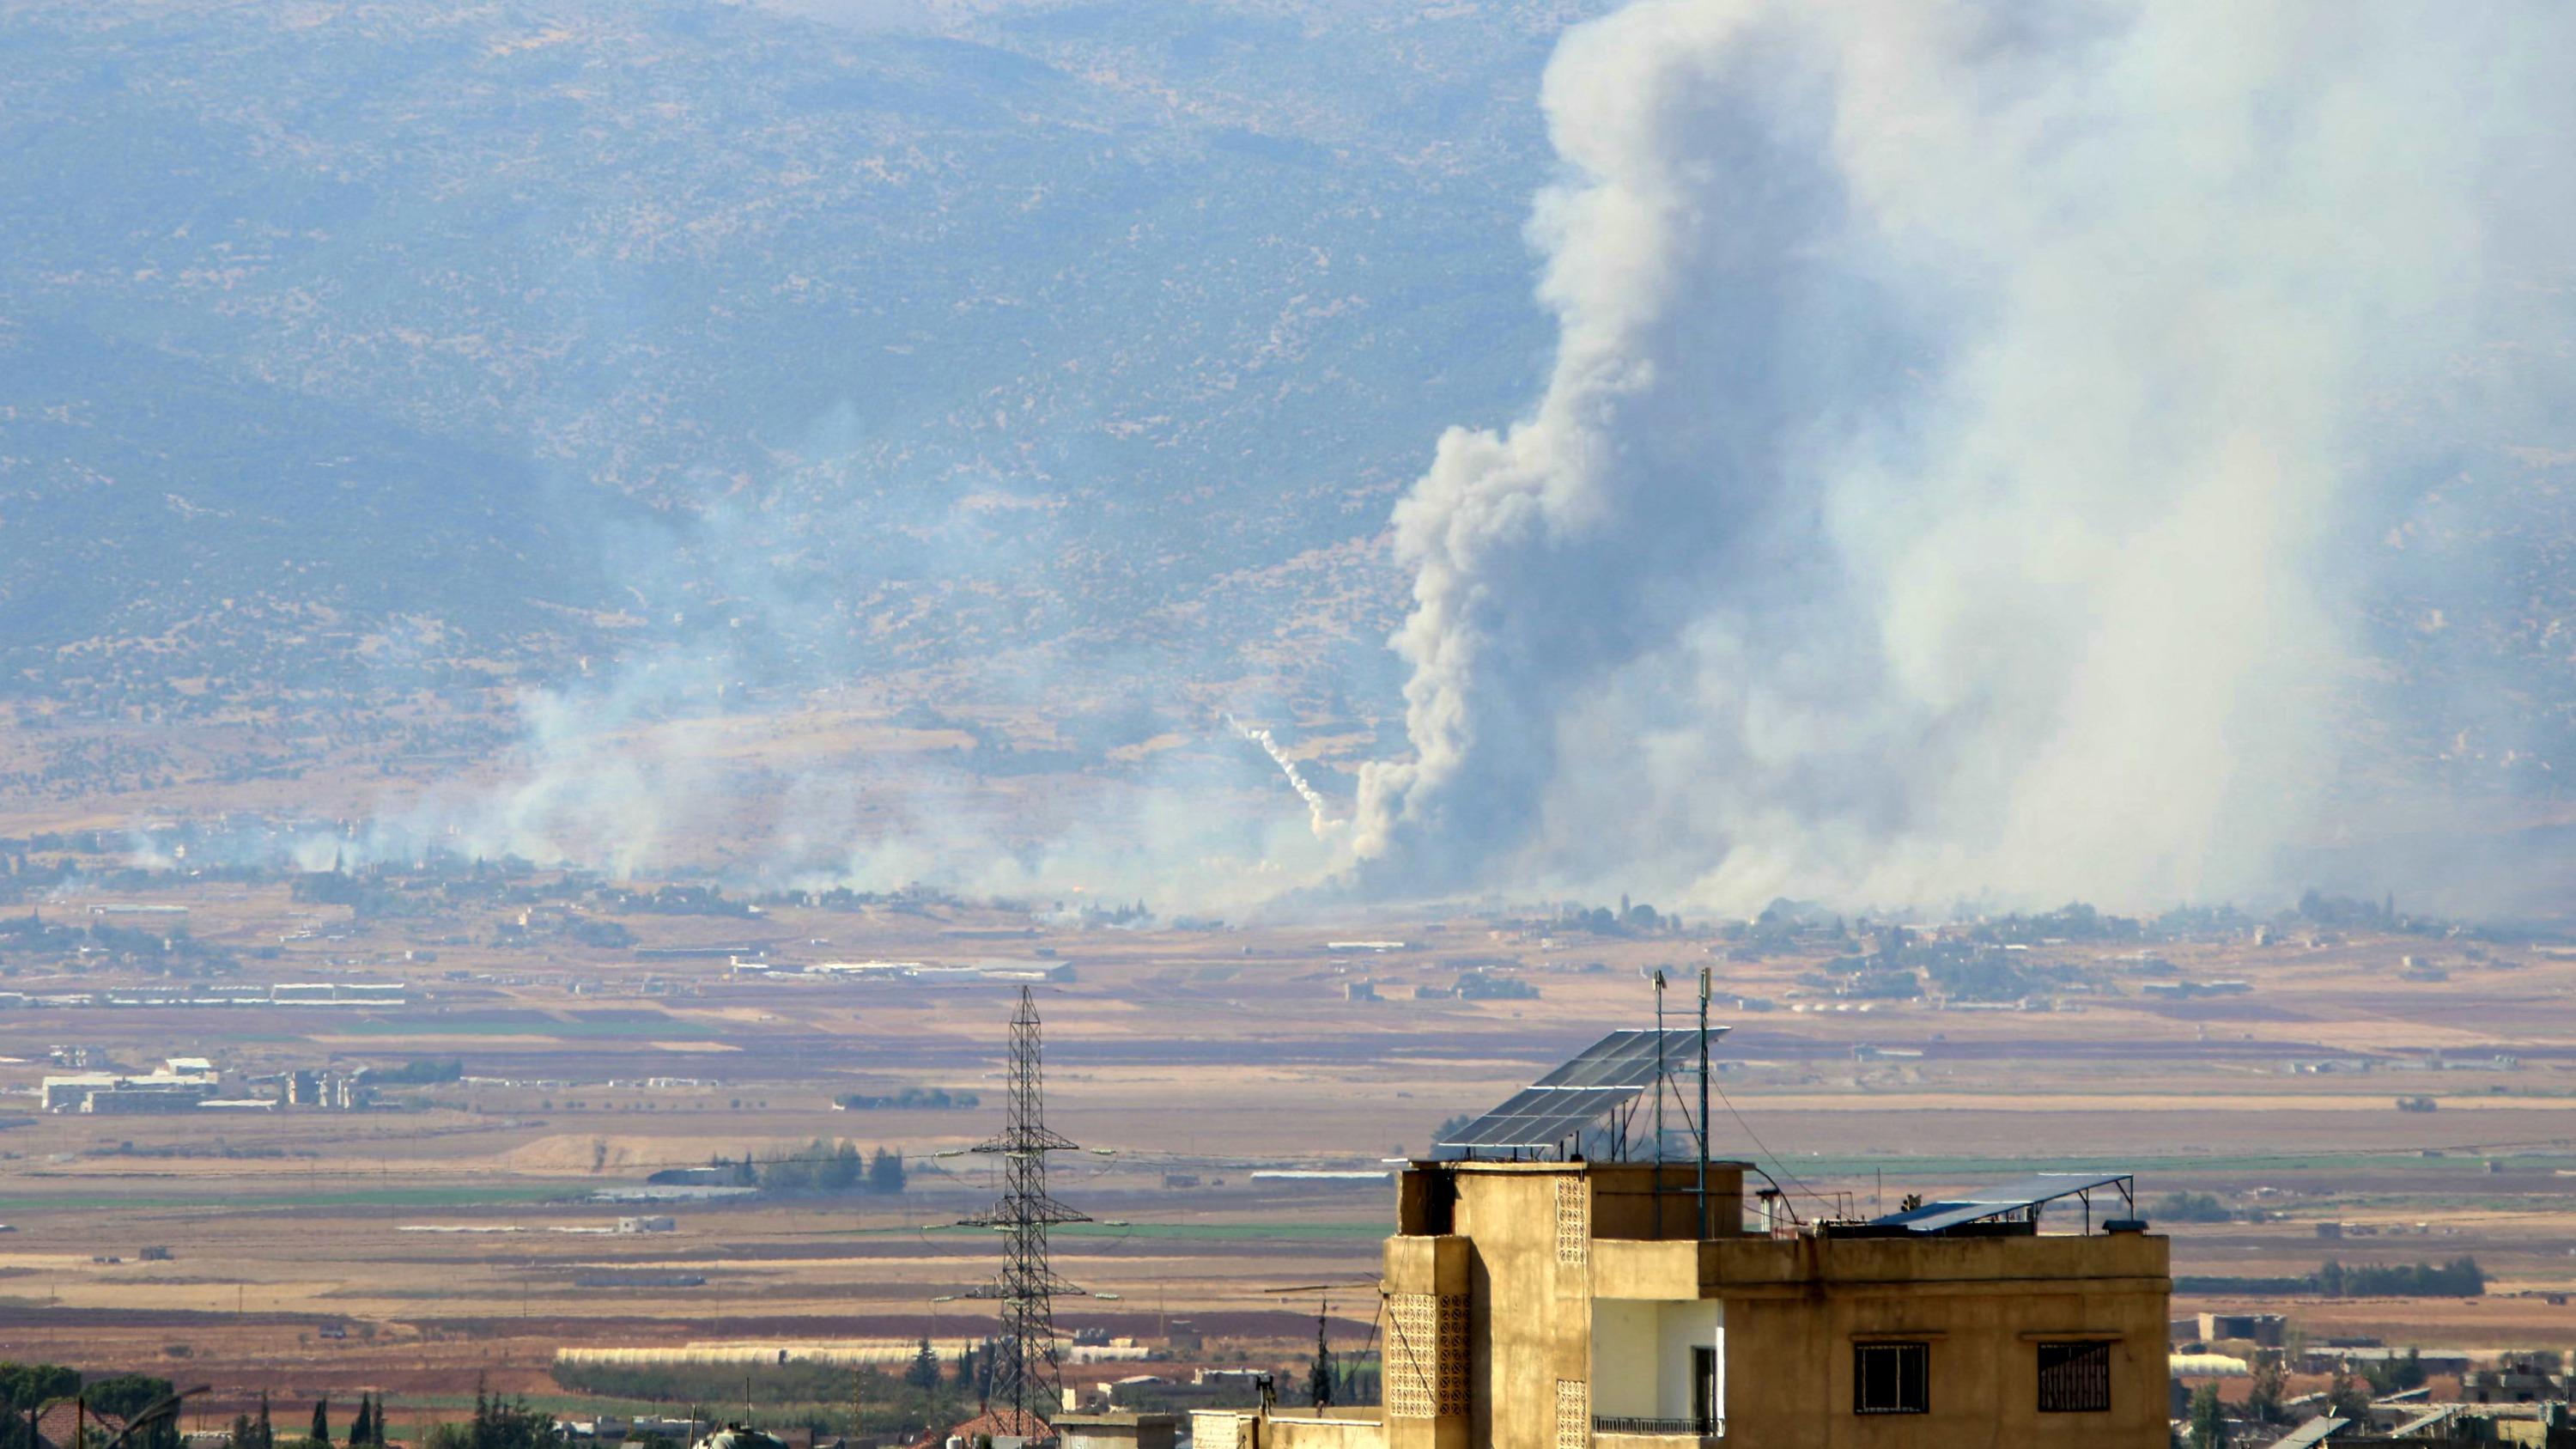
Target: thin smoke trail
x,y
1319,815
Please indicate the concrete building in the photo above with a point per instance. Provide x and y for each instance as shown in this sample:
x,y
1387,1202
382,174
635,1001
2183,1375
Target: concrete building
x,y
2263,1330
330,1090
1607,1305
102,1092
339,993
2517,1378
1116,1431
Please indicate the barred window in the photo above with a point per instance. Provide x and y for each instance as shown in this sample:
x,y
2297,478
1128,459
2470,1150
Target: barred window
x,y
1891,1378
2075,1378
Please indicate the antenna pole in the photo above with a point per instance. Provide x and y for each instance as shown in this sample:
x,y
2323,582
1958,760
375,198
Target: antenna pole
x,y
1660,1076
1703,1102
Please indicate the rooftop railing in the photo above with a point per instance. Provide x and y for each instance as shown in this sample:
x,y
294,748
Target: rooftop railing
x,y
1628,1424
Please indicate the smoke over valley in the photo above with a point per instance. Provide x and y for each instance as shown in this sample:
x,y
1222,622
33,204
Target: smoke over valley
x,y
1957,471
1894,455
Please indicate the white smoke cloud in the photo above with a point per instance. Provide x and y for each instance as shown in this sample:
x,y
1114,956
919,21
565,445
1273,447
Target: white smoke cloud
x,y
1956,411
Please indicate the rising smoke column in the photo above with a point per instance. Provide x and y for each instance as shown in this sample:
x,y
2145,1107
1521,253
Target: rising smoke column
x,y
1954,410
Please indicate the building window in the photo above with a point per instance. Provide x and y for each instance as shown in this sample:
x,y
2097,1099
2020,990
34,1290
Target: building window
x,y
1891,1378
2075,1378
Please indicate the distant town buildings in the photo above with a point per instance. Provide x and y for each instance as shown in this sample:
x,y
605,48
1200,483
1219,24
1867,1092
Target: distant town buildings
x,y
192,1084
166,1090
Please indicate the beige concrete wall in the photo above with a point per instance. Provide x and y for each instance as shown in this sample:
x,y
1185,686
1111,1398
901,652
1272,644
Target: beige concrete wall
x,y
1791,1309
1983,1306
1626,1201
1528,1315
1224,1429
1337,1429
1437,1268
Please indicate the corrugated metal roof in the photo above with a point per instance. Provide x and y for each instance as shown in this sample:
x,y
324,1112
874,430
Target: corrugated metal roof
x,y
2310,1434
2420,1422
2019,1195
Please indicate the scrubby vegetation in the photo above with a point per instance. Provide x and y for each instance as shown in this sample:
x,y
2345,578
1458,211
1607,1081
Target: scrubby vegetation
x,y
910,1099
811,1395
830,1167
2461,1277
2190,1207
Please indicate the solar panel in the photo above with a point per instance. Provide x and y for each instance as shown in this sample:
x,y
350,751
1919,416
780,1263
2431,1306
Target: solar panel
x,y
1627,1059
1598,1080
1978,1204
1540,1117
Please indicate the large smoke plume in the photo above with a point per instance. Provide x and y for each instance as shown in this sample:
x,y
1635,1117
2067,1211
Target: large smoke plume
x,y
1960,416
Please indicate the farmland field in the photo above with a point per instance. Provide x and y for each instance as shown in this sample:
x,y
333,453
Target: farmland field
x,y
460,1226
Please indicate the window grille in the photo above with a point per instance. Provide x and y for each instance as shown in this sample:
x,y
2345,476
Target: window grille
x,y
1573,1414
1573,1221
1891,1378
2075,1378
1425,1365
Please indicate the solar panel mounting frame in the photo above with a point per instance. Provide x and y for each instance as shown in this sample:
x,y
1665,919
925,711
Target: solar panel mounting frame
x,y
1604,1078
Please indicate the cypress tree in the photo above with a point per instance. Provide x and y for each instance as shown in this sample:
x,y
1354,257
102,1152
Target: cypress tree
x,y
358,1427
267,1433
321,1421
924,1373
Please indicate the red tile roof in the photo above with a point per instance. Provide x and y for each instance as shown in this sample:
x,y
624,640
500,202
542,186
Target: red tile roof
x,y
1005,1423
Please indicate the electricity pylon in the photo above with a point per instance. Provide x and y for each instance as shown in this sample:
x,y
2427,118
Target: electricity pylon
x,y
1027,1372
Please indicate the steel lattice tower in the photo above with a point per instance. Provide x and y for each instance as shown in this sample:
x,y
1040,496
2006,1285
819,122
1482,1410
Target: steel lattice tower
x,y
1027,1374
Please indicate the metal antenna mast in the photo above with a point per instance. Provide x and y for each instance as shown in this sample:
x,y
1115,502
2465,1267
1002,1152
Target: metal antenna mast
x,y
1027,1373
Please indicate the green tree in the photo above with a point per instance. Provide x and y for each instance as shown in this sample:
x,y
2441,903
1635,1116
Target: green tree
x,y
2347,1398
124,1396
924,1373
1319,1374
848,1166
2263,1397
321,1433
2208,1419
2395,1375
885,1171
513,1425
264,1431
28,1385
